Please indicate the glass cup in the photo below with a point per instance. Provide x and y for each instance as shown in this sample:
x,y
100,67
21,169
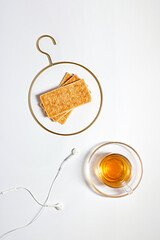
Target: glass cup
x,y
114,169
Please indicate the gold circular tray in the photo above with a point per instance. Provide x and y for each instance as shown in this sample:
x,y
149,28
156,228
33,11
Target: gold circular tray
x,y
48,78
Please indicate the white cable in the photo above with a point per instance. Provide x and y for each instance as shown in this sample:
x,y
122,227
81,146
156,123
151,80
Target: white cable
x,y
57,206
26,189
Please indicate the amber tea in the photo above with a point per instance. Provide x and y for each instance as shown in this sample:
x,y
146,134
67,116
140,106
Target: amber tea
x,y
114,170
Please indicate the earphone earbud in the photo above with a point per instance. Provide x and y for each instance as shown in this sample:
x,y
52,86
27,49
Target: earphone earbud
x,y
59,206
75,151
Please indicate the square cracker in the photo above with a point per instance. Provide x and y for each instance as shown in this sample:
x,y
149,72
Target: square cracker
x,y
70,80
62,118
66,78
65,98
65,116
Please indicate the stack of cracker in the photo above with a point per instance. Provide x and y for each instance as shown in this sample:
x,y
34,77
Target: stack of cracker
x,y
71,93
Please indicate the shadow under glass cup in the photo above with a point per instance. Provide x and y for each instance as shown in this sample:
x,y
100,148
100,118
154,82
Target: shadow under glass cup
x,y
114,169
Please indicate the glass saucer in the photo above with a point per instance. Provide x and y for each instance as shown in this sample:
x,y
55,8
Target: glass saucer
x,y
81,117
116,148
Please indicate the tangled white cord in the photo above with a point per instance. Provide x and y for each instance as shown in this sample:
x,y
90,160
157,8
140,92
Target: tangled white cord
x,y
57,206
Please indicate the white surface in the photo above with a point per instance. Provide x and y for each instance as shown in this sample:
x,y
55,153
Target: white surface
x,y
117,40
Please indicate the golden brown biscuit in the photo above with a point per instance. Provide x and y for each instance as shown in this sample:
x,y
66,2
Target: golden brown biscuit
x,y
65,98
66,78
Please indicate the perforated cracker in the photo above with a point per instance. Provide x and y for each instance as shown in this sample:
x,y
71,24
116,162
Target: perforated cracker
x,y
65,98
56,118
64,118
66,77
71,80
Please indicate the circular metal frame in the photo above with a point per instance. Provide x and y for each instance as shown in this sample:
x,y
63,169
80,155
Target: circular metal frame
x,y
36,78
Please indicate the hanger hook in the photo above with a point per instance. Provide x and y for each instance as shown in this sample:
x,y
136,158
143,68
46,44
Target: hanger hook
x,y
54,42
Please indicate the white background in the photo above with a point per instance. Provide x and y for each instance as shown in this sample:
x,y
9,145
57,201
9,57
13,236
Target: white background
x,y
120,42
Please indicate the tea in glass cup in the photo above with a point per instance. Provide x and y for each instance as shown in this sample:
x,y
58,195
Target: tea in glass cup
x,y
115,170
